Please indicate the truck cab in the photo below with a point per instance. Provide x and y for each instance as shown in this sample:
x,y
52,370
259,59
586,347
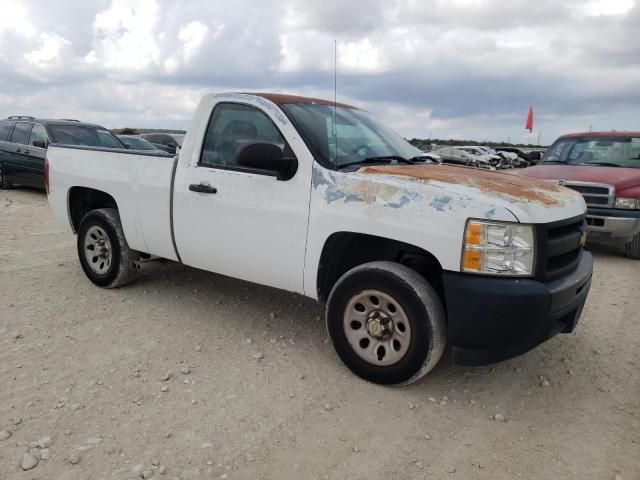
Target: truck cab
x,y
604,167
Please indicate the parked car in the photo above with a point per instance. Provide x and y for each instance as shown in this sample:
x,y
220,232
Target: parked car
x,y
462,156
300,194
605,168
505,159
24,141
133,142
528,155
428,157
167,142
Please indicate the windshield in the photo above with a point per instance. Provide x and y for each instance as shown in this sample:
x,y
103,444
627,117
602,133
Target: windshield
x,y
136,143
616,152
354,136
84,135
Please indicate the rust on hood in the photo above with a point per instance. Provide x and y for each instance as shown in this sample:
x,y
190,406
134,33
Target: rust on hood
x,y
488,181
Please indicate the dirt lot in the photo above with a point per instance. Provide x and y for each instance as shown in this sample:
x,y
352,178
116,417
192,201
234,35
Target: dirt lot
x,y
254,389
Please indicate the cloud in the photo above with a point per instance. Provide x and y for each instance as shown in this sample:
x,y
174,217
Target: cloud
x,y
455,67
126,35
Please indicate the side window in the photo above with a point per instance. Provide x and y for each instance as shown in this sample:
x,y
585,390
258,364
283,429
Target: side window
x,y
233,126
21,133
151,138
167,140
38,134
5,130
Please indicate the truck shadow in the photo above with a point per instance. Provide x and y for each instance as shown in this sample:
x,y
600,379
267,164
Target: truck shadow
x,y
267,314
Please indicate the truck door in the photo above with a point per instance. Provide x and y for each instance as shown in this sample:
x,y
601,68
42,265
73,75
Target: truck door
x,y
240,221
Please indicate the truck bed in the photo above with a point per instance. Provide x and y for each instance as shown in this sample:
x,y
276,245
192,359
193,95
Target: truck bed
x,y
140,182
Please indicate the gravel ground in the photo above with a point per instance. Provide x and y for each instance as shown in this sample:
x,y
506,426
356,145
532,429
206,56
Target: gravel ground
x,y
187,374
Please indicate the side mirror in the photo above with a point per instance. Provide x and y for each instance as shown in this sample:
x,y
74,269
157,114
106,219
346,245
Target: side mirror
x,y
268,157
40,143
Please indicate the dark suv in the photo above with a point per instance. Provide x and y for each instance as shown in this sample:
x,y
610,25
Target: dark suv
x,y
24,142
167,142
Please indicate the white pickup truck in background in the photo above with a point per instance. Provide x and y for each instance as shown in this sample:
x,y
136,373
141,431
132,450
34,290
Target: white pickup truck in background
x,y
318,198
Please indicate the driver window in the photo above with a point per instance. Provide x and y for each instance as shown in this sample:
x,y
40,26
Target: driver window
x,y
231,127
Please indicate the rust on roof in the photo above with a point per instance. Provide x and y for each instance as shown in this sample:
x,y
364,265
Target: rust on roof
x,y
283,99
513,186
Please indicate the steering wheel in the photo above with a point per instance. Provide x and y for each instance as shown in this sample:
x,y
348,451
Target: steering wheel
x,y
356,150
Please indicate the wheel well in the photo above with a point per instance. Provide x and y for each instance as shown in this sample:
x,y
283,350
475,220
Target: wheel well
x,y
82,200
346,250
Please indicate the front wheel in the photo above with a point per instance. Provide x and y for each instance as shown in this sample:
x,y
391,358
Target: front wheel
x,y
387,324
103,251
632,249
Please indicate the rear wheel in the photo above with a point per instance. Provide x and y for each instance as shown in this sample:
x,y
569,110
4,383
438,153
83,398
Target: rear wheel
x,y
103,251
632,249
4,183
386,323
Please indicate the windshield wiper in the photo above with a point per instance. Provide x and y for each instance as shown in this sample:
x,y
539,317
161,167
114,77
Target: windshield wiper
x,y
382,158
604,164
554,161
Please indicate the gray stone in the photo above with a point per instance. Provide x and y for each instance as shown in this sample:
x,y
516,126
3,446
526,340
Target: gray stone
x,y
258,356
29,461
93,441
74,458
4,435
45,454
44,442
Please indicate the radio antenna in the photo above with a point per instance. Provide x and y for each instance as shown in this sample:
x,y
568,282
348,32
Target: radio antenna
x,y
335,97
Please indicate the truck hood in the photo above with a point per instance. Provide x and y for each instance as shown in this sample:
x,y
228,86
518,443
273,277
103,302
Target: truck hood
x,y
620,178
445,188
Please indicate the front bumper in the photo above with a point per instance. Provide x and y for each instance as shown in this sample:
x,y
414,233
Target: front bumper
x,y
612,226
493,319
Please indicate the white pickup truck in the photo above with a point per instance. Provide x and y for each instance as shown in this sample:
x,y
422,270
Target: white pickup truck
x,y
318,198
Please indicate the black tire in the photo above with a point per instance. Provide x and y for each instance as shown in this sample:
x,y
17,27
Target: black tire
x,y
121,269
4,183
632,249
422,308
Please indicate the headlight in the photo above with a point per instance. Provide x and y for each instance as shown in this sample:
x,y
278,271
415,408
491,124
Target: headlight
x,y
628,203
498,248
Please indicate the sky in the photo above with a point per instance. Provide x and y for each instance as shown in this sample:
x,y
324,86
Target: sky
x,y
466,69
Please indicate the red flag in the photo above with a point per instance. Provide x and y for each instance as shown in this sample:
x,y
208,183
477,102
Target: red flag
x,y
529,124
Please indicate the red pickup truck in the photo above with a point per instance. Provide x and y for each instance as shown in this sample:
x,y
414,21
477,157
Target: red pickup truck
x,y
605,168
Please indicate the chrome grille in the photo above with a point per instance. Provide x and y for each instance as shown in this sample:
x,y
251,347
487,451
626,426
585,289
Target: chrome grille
x,y
595,194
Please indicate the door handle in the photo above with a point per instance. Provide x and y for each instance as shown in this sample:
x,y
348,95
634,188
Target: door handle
x,y
26,151
200,188
18,150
